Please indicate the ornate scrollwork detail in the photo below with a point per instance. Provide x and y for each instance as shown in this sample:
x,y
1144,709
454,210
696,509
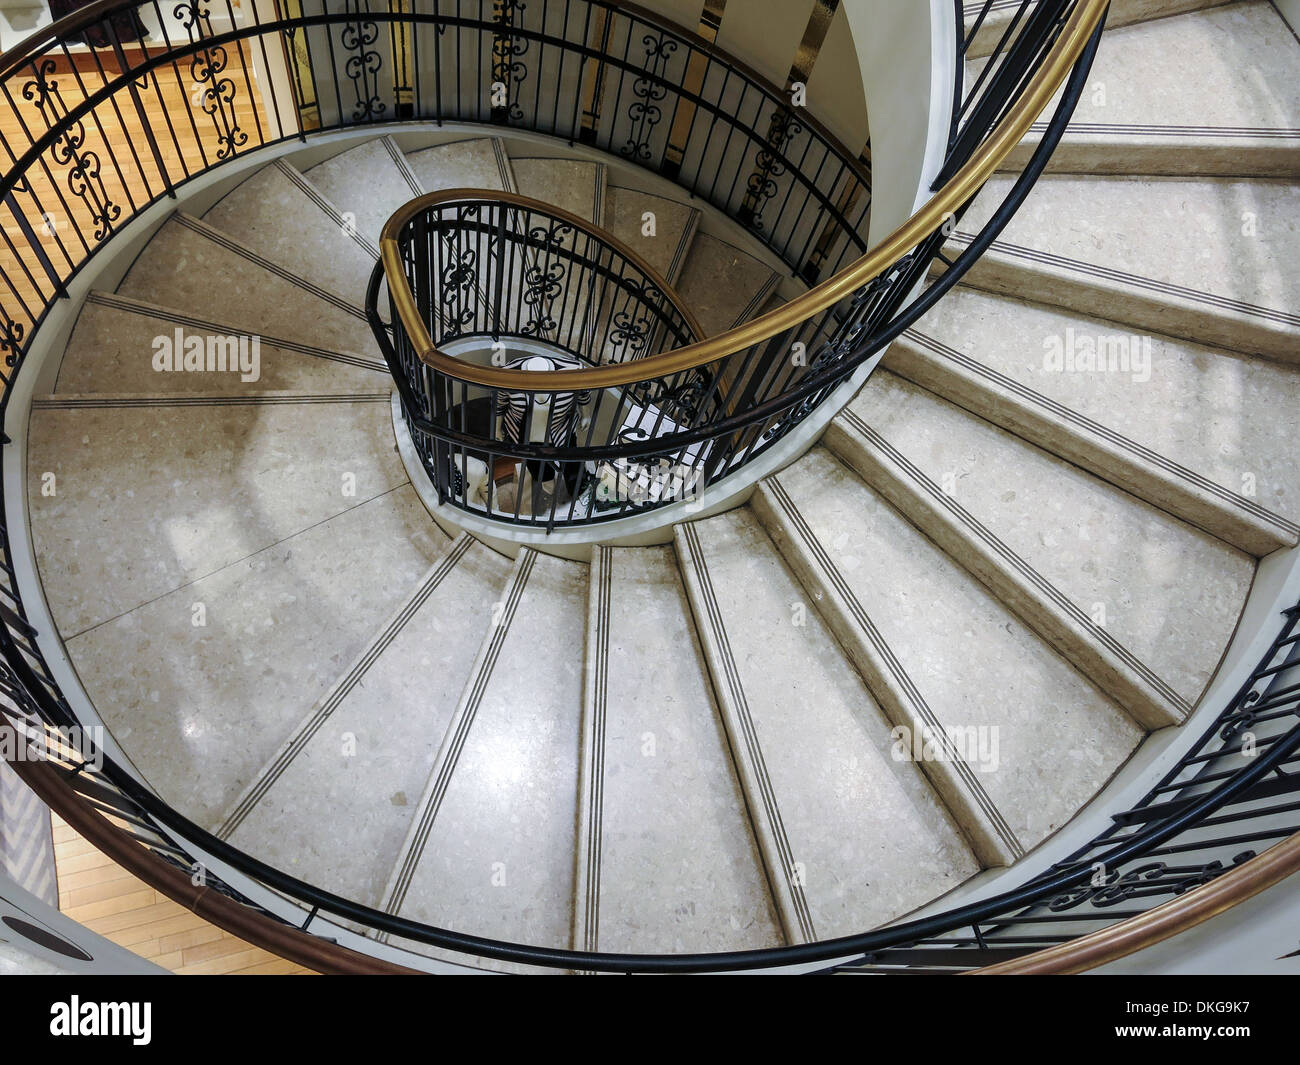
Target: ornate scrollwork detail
x,y
459,281
1110,887
628,333
11,339
762,184
363,65
508,48
83,177
648,91
543,285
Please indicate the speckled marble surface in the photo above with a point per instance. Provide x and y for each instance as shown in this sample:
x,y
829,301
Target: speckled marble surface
x,y
150,498
200,709
112,348
1226,237
274,215
1122,13
1192,404
498,859
674,225
470,164
367,182
678,867
1095,544
368,758
719,282
575,185
1057,738
182,268
871,838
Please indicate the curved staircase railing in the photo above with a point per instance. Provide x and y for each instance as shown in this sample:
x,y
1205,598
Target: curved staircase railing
x,y
736,395
517,284
1180,854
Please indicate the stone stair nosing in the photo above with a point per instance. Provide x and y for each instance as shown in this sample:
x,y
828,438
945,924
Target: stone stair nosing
x,y
1078,439
1151,702
992,839
342,688
1145,303
1121,13
1131,149
765,813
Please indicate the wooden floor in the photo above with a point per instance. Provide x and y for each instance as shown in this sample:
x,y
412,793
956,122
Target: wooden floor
x,y
99,894
94,178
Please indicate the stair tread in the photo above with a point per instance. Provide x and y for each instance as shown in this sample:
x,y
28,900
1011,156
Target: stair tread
x,y
112,350
1052,739
1120,13
492,847
1094,544
469,164
867,833
1185,232
574,185
366,750
1194,405
280,215
200,709
368,182
194,269
722,285
674,226
674,864
150,495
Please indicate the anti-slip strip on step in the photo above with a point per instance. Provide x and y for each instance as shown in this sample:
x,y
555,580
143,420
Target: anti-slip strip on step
x,y
976,531
1093,428
206,231
330,211
454,745
900,678
1163,130
683,246
601,590
403,167
250,399
131,305
503,165
793,883
1165,288
759,301
343,688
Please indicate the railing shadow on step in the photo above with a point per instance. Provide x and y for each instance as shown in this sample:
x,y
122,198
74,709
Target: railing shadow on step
x,y
1225,815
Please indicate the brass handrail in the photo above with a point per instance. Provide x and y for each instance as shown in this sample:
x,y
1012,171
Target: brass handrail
x,y
1087,16
1161,922
392,255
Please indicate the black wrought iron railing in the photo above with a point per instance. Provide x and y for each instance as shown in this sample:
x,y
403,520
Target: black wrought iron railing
x,y
510,282
1234,792
669,427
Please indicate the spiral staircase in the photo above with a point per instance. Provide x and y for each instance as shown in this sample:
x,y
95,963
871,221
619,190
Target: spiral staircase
x,y
887,667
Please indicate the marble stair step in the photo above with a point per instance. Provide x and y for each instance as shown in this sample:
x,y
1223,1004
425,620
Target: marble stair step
x,y
724,286
663,239
281,215
1122,13
666,855
151,493
492,840
1023,740
1204,259
201,700
851,837
1168,421
574,185
480,163
1099,574
367,184
190,267
119,344
365,750
1218,96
